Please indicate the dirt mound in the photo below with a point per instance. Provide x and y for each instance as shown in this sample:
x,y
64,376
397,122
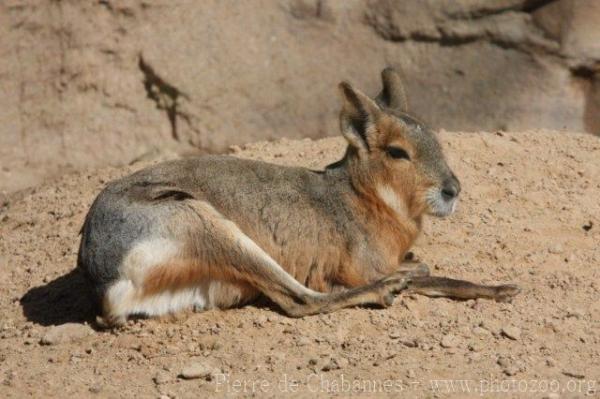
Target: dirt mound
x,y
529,214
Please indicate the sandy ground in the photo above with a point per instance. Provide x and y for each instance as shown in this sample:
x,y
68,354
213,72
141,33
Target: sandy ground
x,y
529,214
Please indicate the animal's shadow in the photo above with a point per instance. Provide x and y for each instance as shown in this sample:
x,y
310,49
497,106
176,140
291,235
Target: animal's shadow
x,y
63,300
67,299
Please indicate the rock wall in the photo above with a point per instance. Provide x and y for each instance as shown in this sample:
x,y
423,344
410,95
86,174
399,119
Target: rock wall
x,y
86,84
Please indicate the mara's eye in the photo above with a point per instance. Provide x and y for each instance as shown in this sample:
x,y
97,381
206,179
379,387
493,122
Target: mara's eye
x,y
397,153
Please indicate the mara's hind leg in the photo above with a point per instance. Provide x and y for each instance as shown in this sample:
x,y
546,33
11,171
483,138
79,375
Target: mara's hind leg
x,y
446,287
223,243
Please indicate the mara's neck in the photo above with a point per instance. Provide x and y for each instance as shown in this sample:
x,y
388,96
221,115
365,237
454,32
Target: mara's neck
x,y
385,216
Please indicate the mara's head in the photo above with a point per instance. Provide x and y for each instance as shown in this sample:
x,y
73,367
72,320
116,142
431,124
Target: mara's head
x,y
393,155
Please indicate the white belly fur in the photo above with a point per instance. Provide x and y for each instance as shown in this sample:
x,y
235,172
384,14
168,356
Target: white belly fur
x,y
125,297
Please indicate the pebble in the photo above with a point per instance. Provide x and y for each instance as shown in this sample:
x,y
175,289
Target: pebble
x,y
473,356
8,324
97,388
556,249
508,366
330,364
574,374
127,341
511,332
409,342
510,370
342,362
161,377
260,320
197,370
302,341
480,331
489,325
475,347
449,341
172,350
69,332
576,313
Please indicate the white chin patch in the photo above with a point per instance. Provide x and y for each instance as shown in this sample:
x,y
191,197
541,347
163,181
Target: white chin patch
x,y
438,206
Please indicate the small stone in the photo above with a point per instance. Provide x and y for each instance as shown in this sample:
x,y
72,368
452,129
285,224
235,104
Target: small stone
x,y
575,313
97,388
197,370
330,364
480,331
342,362
172,350
161,377
409,343
260,320
411,374
127,341
489,326
473,356
556,249
550,362
475,347
511,332
574,374
69,332
508,367
449,341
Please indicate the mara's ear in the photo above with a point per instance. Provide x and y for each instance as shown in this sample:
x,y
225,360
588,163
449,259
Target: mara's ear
x,y
392,94
358,114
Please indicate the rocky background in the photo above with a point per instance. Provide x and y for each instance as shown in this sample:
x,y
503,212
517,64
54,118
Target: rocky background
x,y
94,83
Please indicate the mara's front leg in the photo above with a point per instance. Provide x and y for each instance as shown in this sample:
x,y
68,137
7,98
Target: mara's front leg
x,y
434,286
423,283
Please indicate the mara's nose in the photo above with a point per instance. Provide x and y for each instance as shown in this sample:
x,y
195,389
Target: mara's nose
x,y
450,189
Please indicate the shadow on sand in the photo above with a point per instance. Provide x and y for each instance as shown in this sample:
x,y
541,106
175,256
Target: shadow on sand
x,y
66,299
